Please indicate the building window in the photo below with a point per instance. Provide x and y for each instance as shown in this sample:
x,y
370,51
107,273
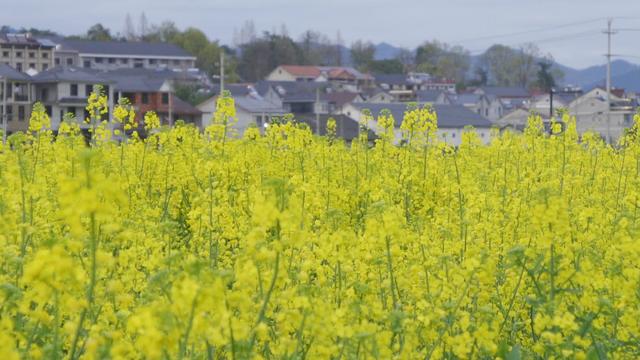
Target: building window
x,y
5,54
176,62
44,94
32,55
112,60
21,113
74,89
69,61
138,63
152,61
47,109
165,98
45,67
98,60
88,89
10,112
45,55
87,63
57,61
124,61
71,111
32,66
19,66
18,53
145,98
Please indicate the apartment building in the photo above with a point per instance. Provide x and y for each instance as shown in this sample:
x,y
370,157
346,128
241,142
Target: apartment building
x,y
25,53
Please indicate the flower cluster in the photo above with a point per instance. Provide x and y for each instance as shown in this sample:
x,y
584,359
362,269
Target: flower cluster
x,y
287,245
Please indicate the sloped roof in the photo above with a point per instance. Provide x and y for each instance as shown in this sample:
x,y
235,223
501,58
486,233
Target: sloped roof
x,y
341,98
391,79
129,48
346,127
505,91
70,73
449,116
462,99
427,95
302,70
181,107
254,105
10,73
22,39
234,89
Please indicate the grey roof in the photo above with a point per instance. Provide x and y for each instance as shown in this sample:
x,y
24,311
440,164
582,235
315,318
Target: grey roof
x,y
292,91
234,89
22,39
427,95
391,79
143,80
346,127
132,48
10,73
505,91
70,73
449,116
255,105
462,99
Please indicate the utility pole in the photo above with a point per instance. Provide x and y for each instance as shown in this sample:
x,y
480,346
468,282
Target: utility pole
x,y
4,110
221,71
609,32
317,108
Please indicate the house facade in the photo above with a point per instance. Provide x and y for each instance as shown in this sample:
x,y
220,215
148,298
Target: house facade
x,y
16,95
250,112
65,90
452,120
112,55
25,53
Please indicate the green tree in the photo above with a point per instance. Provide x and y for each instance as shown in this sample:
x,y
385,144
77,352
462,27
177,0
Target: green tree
x,y
443,60
388,66
99,33
260,56
362,54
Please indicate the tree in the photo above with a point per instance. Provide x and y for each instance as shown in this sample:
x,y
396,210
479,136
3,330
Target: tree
x,y
129,32
165,32
99,33
317,49
388,66
440,59
407,58
362,54
144,25
259,57
507,66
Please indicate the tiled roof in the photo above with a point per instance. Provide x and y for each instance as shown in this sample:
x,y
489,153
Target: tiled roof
x,y
346,127
70,73
10,73
302,70
505,91
129,48
449,116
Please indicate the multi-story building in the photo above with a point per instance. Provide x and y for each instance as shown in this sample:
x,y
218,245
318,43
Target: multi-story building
x,y
66,89
112,55
16,94
25,53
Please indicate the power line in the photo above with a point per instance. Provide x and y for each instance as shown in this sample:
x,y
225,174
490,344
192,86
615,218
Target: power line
x,y
525,32
550,39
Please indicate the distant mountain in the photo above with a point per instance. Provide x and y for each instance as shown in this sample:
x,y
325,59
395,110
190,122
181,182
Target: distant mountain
x,y
595,75
385,51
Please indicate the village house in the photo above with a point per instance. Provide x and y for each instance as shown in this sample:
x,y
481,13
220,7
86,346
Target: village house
x,y
65,90
16,95
112,55
452,120
590,111
154,90
25,53
341,77
250,111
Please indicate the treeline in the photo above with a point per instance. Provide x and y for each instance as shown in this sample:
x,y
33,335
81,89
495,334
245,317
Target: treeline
x,y
253,55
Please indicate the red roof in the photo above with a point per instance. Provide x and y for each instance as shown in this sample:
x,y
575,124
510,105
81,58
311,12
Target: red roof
x,y
302,70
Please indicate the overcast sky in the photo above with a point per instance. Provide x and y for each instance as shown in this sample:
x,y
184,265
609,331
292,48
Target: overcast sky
x,y
571,30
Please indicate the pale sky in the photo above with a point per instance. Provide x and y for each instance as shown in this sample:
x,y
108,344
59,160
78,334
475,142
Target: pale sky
x,y
571,30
